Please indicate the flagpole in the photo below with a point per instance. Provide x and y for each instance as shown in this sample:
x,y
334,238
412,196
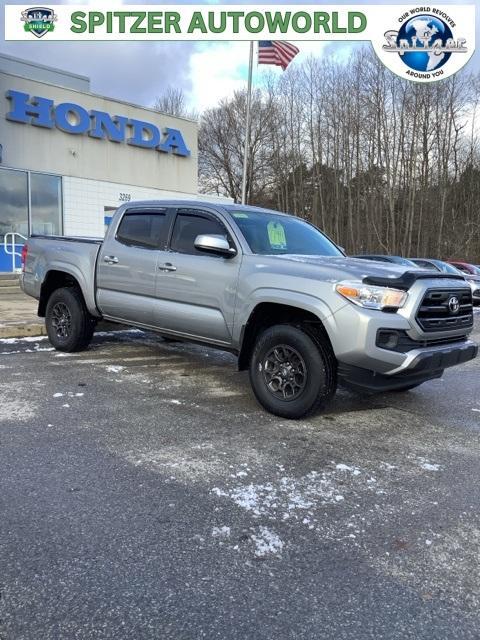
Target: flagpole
x,y
247,127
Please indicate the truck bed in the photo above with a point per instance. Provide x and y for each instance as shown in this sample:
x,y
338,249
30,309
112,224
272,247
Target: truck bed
x,y
76,256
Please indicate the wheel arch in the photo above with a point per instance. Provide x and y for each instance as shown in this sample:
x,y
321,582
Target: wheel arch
x,y
55,279
267,314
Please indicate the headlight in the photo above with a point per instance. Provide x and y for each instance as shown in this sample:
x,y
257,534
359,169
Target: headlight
x,y
372,297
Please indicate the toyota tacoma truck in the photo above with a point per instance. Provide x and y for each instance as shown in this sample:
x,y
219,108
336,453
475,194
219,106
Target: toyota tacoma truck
x,y
269,287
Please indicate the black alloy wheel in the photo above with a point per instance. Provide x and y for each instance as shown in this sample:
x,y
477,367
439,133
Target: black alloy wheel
x,y
293,371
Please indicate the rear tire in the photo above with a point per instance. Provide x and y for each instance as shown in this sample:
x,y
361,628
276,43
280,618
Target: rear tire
x,y
69,325
292,372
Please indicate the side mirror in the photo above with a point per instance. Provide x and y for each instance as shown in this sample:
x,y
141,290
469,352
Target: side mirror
x,y
215,244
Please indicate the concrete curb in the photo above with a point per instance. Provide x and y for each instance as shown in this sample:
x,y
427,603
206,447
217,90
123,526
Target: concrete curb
x,y
25,329
22,329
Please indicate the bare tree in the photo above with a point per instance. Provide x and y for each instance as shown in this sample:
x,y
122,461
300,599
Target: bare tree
x,y
380,163
173,102
222,145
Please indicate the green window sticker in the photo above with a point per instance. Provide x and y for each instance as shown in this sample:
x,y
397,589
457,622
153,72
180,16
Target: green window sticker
x,y
276,235
240,215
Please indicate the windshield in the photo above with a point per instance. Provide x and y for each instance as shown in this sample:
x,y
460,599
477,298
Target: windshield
x,y
272,234
404,262
470,270
449,268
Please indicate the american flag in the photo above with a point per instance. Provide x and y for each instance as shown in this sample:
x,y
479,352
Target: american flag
x,y
278,53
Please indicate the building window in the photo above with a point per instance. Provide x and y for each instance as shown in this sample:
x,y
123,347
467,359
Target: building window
x,y
25,212
46,204
45,216
13,202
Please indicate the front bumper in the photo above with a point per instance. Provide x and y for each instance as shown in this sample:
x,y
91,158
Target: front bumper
x,y
353,332
420,365
440,357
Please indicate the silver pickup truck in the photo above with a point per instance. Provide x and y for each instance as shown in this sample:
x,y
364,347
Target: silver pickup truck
x,y
268,287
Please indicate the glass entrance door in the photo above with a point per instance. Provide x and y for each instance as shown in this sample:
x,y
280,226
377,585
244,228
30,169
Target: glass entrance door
x,y
13,213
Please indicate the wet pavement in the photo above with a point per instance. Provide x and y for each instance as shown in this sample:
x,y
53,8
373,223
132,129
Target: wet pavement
x,y
145,495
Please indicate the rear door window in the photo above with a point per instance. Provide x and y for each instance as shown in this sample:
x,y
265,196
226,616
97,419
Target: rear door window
x,y
147,229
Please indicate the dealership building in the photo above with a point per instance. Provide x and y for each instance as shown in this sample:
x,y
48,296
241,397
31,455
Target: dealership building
x,y
69,158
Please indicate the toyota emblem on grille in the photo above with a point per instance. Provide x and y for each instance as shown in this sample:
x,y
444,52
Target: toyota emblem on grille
x,y
454,304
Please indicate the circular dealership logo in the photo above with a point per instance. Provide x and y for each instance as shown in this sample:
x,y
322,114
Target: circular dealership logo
x,y
428,43
423,43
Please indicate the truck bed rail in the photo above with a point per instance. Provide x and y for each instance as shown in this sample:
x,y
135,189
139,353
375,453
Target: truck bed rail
x,y
68,238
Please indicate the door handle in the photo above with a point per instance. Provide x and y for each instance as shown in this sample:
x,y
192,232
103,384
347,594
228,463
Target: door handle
x,y
168,266
110,259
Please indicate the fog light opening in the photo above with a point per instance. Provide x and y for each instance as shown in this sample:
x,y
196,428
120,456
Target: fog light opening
x,y
387,339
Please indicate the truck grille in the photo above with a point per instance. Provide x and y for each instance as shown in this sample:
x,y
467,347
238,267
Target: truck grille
x,y
438,310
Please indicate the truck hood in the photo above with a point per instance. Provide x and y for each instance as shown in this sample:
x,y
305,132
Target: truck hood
x,y
353,268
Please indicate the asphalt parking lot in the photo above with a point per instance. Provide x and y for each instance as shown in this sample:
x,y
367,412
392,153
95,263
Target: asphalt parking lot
x,y
145,495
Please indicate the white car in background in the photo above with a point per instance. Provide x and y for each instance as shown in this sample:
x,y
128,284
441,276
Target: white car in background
x,y
446,267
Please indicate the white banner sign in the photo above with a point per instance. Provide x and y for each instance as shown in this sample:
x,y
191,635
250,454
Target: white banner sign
x,y
422,43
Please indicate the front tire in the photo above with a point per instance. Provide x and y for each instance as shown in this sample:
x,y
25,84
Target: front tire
x,y
69,325
292,372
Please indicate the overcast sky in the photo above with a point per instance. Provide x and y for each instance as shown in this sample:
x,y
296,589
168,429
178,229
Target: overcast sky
x,y
140,71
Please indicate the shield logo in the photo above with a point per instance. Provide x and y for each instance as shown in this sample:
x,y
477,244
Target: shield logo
x,y
39,20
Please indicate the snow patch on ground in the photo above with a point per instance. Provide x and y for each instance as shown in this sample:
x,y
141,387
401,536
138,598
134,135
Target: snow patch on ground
x,y
344,467
239,474
304,502
221,532
287,495
115,368
427,465
267,542
70,394
25,339
34,350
